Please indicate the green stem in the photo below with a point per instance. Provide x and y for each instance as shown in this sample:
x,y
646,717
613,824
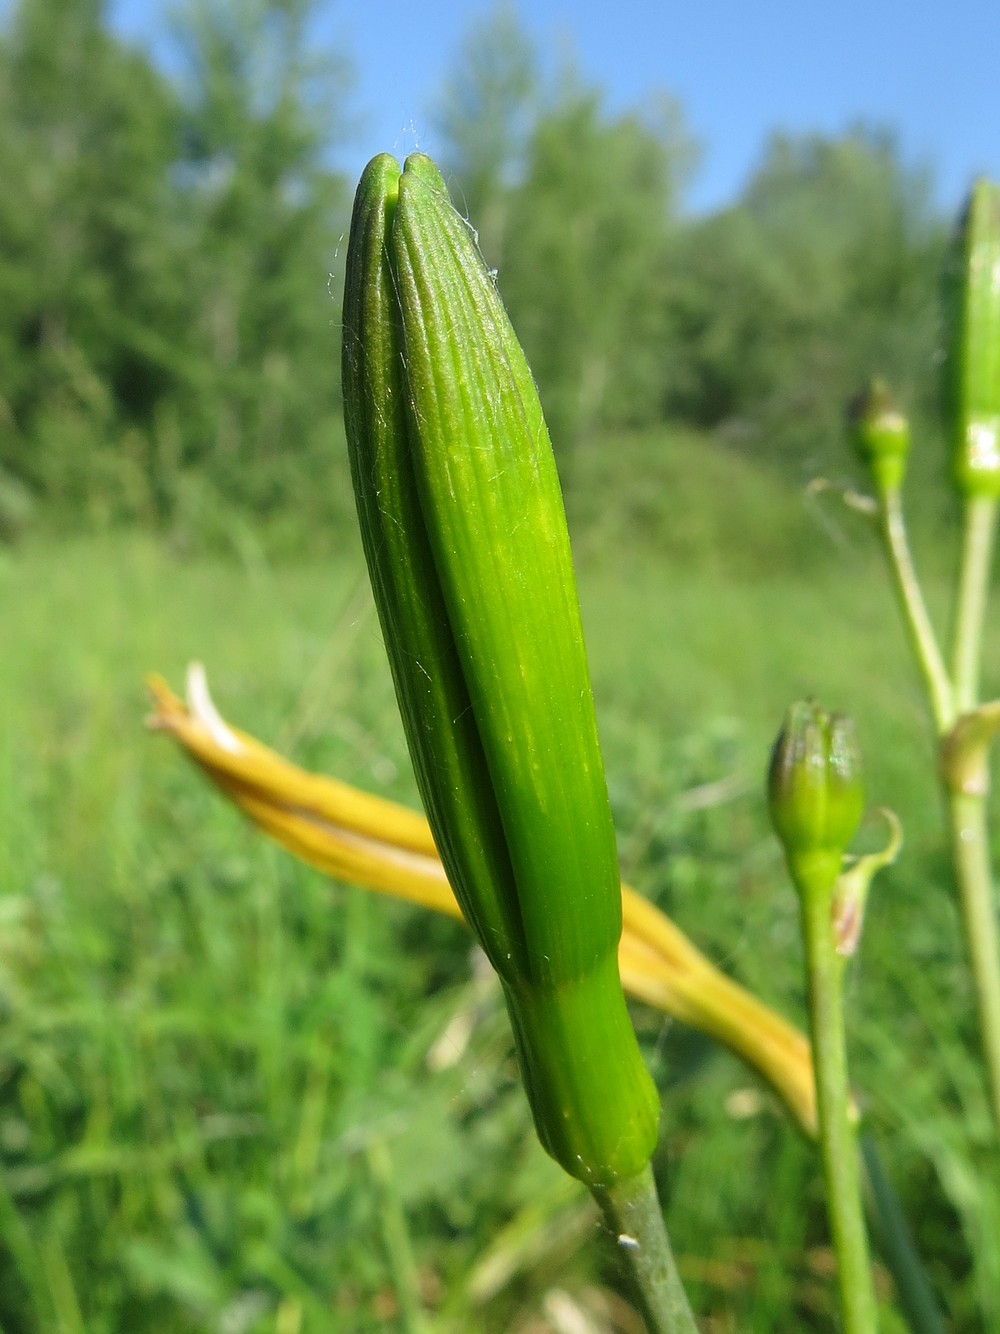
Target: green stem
x,y
911,602
397,1238
970,850
913,1288
838,1146
18,1243
974,577
967,810
632,1212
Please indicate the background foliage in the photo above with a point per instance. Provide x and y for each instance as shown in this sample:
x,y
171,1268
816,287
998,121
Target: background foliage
x,y
236,1097
169,270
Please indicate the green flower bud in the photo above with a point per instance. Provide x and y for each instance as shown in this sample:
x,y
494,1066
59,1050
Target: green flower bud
x,y
815,790
880,435
465,536
973,327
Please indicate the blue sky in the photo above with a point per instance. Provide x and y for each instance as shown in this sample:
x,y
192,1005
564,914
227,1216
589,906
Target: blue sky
x,y
927,69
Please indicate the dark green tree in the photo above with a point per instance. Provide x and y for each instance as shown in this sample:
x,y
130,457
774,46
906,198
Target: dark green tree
x,y
167,329
824,273
89,299
575,209
263,215
593,219
485,115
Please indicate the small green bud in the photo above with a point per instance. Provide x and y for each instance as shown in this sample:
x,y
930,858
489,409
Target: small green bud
x,y
880,435
973,355
465,537
815,790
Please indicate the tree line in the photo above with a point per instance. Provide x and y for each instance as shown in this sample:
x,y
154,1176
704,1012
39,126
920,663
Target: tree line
x,y
170,245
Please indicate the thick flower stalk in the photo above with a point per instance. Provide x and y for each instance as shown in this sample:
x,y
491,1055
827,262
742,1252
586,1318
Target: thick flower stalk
x,y
465,537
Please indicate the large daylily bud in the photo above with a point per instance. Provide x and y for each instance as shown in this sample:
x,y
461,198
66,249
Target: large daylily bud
x,y
973,352
466,542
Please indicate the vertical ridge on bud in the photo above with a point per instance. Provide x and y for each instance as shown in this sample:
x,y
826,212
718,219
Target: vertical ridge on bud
x,y
511,599
427,676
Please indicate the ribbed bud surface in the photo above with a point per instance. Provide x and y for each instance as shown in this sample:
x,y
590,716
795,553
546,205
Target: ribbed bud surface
x,y
466,541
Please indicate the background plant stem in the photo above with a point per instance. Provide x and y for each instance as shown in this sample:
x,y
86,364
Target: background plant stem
x,y
967,812
838,1146
397,1239
949,699
632,1212
889,1224
977,553
970,850
911,602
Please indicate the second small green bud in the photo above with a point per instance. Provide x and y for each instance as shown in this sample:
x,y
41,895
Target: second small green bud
x,y
880,435
815,791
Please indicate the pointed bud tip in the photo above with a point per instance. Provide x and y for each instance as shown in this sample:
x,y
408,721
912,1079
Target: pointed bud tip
x,y
380,176
419,165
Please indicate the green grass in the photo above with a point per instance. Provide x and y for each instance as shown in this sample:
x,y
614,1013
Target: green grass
x,y
216,1106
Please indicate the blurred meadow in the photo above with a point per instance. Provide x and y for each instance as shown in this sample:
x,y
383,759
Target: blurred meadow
x,y
236,1096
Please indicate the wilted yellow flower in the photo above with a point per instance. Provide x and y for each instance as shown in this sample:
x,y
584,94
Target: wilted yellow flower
x,y
368,841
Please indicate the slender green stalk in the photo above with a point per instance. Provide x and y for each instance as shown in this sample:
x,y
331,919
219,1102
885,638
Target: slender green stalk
x,y
632,1212
838,1146
397,1239
18,1244
974,578
970,850
913,1288
911,602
